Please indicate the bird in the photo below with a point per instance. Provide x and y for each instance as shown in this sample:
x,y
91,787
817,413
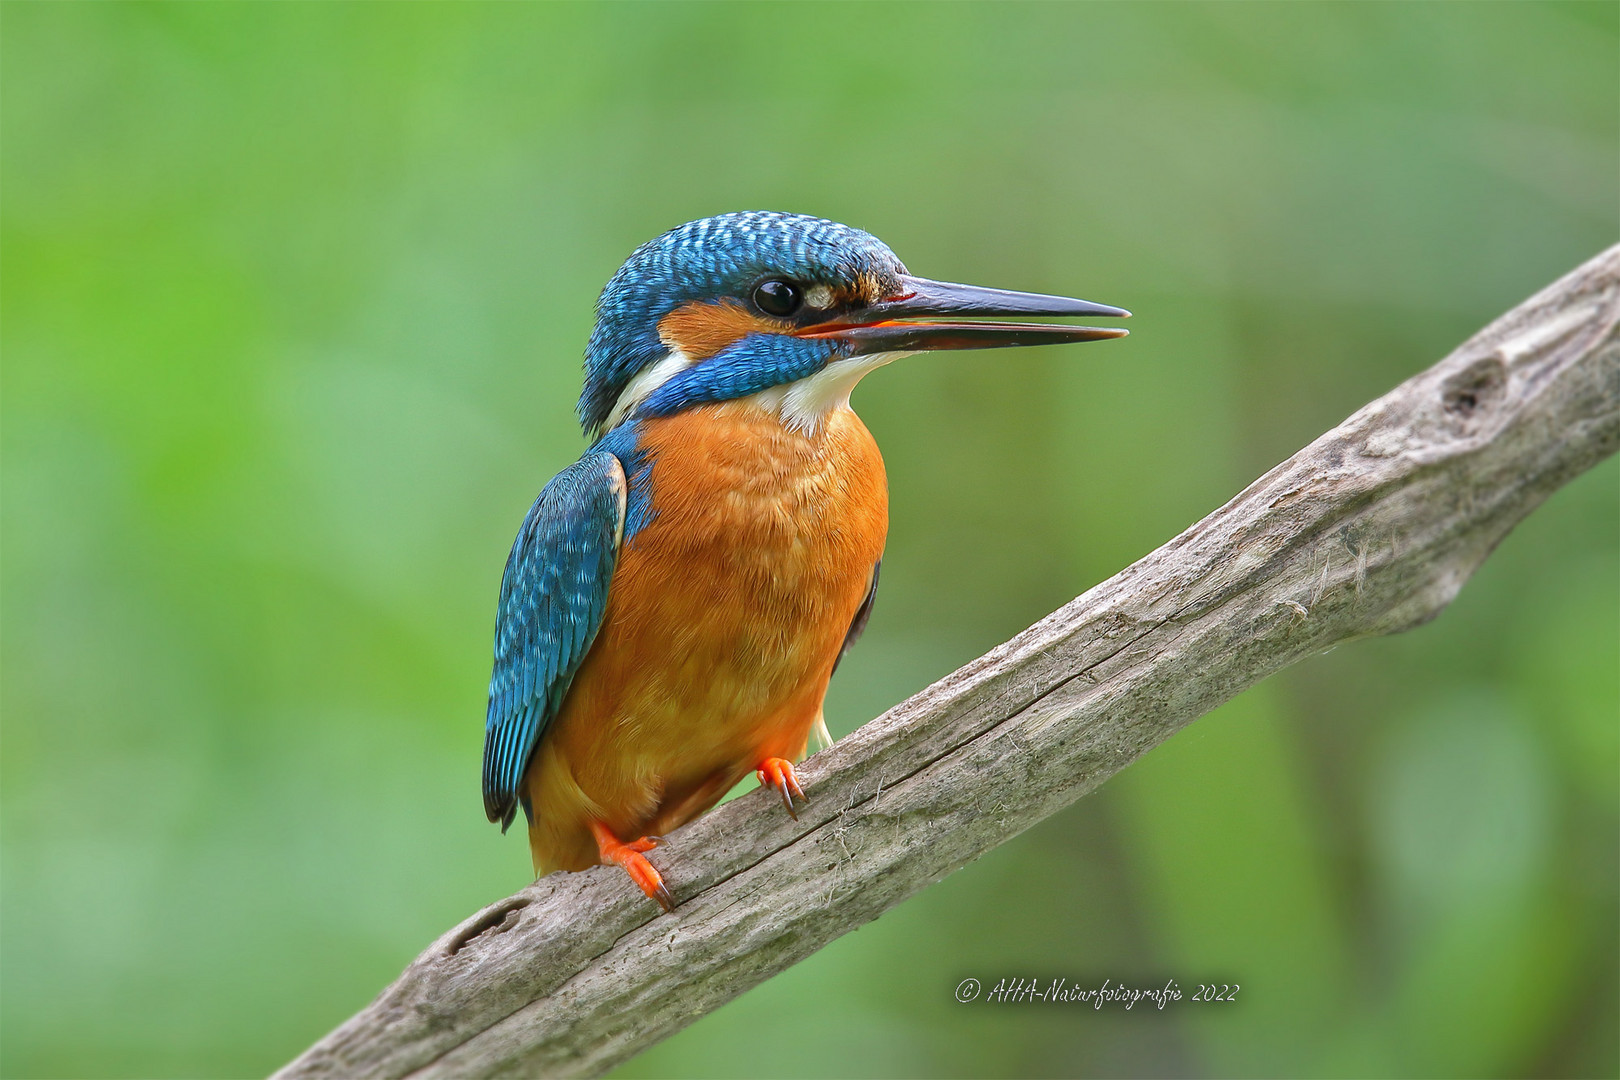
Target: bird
x,y
677,600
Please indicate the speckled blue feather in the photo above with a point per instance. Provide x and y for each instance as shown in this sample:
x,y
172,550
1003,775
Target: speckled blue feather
x,y
624,443
703,260
553,593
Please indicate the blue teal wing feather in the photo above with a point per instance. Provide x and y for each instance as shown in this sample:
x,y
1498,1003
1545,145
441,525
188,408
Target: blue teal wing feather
x,y
553,594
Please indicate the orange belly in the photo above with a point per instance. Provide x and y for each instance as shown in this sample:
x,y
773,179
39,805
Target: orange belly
x,y
724,618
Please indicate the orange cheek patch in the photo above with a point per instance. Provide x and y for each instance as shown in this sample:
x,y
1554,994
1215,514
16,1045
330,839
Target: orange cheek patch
x,y
702,329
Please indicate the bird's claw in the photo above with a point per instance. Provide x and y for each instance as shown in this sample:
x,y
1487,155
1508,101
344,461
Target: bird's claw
x,y
778,773
633,858
654,886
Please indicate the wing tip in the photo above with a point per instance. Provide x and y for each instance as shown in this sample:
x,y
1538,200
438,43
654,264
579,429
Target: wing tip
x,y
503,808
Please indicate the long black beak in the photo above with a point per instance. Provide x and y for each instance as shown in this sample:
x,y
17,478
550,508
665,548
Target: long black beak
x,y
889,326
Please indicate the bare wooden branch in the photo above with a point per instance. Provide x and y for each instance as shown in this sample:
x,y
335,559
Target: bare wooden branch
x,y
1371,529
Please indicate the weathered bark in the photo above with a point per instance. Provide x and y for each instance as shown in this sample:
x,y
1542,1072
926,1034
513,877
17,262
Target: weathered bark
x,y
1371,529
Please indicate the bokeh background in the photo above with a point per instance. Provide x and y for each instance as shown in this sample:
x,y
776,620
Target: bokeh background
x,y
294,299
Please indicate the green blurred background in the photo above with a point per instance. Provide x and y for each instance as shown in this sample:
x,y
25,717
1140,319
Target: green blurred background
x,y
294,299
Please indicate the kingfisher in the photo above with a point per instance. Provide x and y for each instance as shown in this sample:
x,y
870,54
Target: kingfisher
x,y
677,600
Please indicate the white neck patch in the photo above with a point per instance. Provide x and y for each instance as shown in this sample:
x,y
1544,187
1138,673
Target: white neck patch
x,y
647,380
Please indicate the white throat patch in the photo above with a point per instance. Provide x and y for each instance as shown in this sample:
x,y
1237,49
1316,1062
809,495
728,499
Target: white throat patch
x,y
803,405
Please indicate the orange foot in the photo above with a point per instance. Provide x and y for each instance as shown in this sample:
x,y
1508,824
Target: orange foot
x,y
778,773
633,858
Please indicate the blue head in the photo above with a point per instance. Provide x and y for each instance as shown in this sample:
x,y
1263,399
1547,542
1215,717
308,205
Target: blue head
x,y
733,305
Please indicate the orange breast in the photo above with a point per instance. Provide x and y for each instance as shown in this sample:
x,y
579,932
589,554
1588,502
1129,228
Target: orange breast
x,y
724,618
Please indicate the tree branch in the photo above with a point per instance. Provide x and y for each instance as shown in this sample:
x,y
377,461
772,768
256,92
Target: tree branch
x,y
1371,529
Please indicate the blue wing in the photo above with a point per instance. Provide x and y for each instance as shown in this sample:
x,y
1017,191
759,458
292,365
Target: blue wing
x,y
552,596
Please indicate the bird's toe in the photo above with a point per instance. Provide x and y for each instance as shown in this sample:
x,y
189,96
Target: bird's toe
x,y
778,773
632,857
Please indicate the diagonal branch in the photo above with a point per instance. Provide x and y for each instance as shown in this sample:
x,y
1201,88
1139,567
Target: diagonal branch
x,y
1371,529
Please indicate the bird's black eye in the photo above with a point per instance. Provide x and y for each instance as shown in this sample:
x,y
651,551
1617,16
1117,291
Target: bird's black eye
x,y
778,297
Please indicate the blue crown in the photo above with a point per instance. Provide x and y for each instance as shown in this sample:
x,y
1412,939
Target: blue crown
x,y
703,260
